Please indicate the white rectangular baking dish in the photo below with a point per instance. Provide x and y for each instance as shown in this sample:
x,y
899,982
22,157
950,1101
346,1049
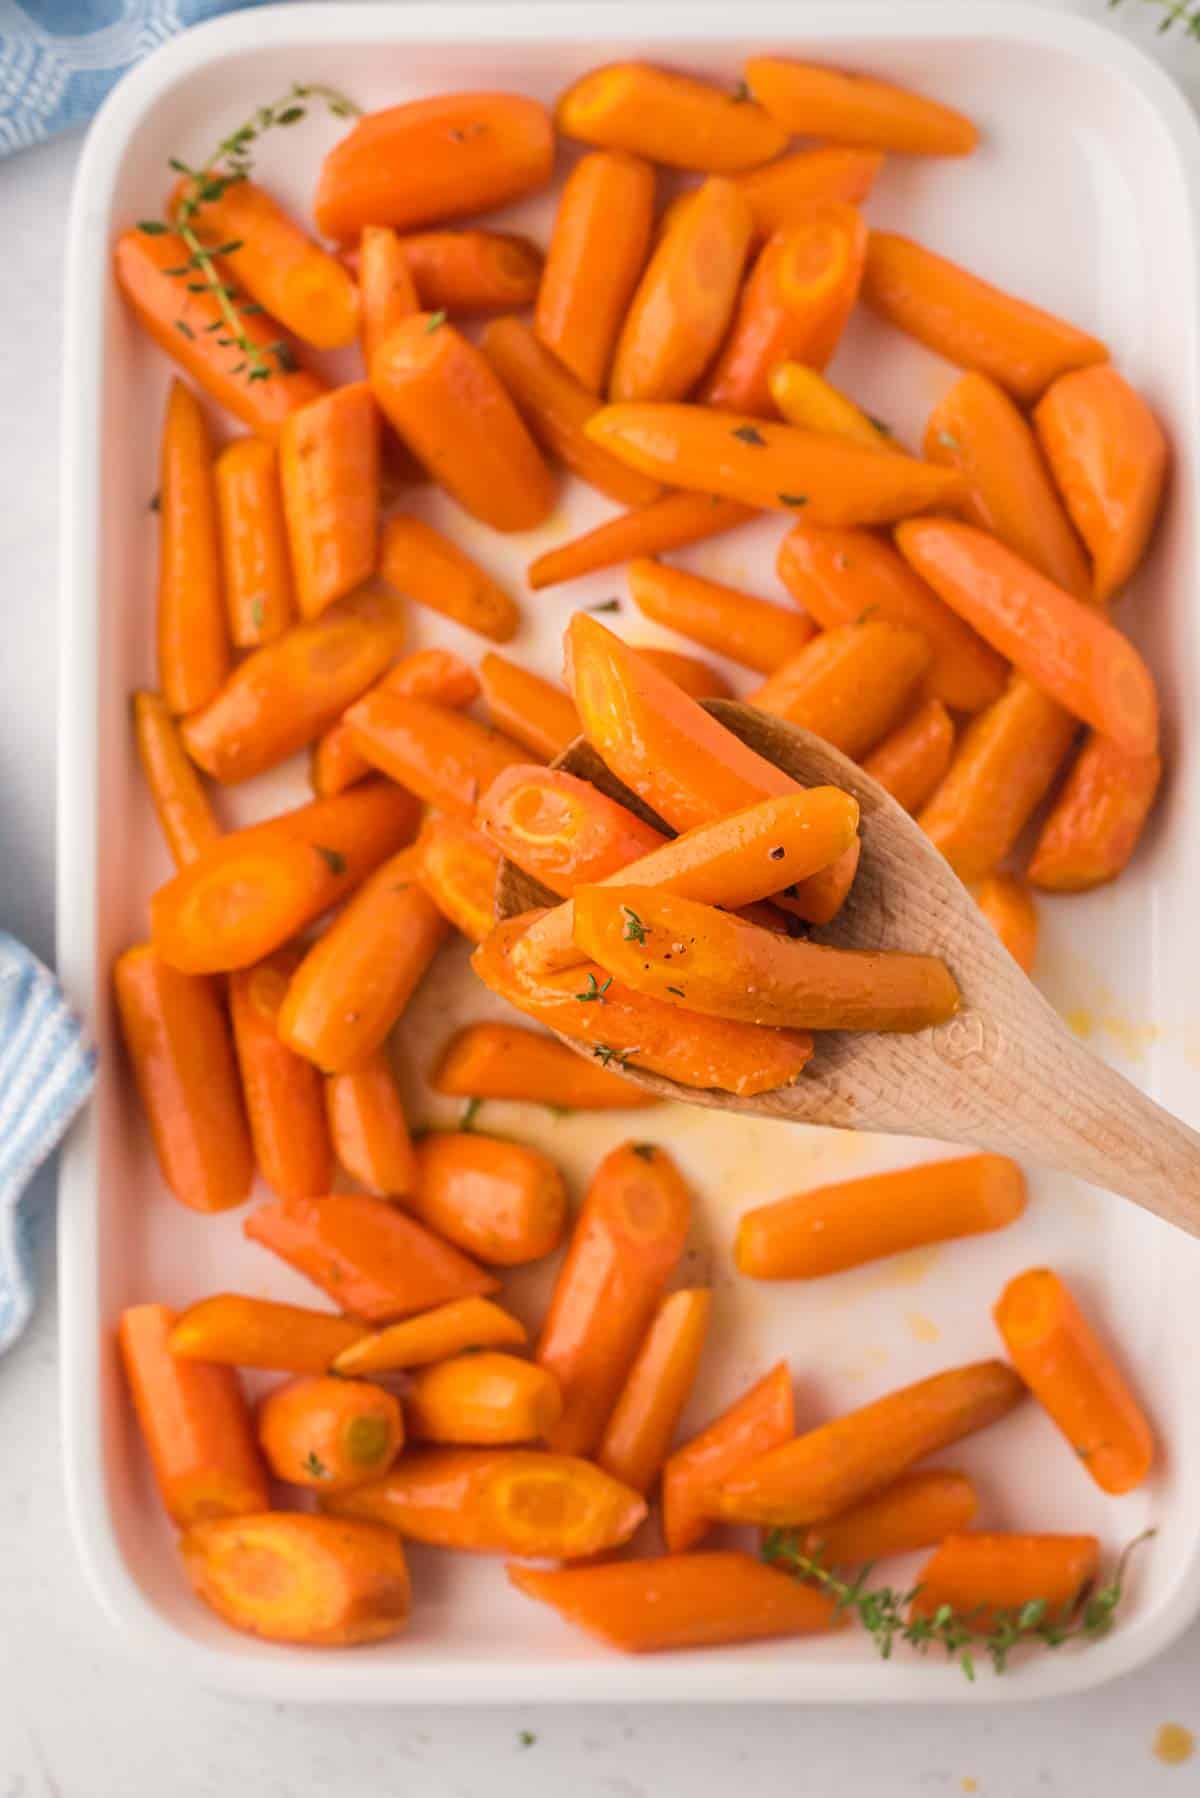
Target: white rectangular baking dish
x,y
1084,197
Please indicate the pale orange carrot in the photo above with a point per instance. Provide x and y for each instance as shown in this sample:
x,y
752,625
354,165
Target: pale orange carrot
x,y
285,1103
599,244
985,1577
761,1419
699,679
915,1511
458,869
784,191
387,292
637,1436
849,685
329,472
193,632
752,631
431,1336
533,711
671,522
250,1332
369,1129
807,399
560,829
254,548
669,118
444,758
483,1398
912,762
849,108
507,1061
1097,820
1008,906
180,801
435,674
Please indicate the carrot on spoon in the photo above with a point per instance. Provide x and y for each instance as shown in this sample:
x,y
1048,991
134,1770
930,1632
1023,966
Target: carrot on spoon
x,y
699,679
507,1061
560,829
458,869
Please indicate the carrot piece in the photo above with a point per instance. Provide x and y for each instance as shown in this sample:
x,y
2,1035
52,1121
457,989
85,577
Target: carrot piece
x,y
446,759
329,473
387,291
506,1061
287,693
911,763
700,680
1008,906
915,1511
976,428
1097,819
285,1101
671,522
668,118
665,1604
450,407
762,1419
637,1437
253,889
831,1228
195,1423
778,468
500,1501
458,870
180,801
807,399
290,1578
369,1128
254,550
328,1433
1075,1379
1072,652
433,571
367,1255
159,299
983,1577
823,1473
560,829
484,1399
193,635
432,1336
473,271
969,321
503,1202
850,685
857,109
598,247
1109,456
784,192
754,632
535,712
434,674
795,304
249,1332
177,1039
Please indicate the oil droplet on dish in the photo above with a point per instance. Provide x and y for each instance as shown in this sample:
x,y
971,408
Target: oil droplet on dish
x,y
969,1784
1173,1744
1080,1022
1131,1039
923,1328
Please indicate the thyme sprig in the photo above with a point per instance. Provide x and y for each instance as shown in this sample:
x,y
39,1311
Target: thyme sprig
x,y
1175,12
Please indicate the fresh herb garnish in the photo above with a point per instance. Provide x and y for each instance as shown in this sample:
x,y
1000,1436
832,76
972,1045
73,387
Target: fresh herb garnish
x,y
1175,12
606,1056
436,321
635,930
750,434
313,1464
334,859
741,93
258,612
884,429
156,502
595,992
678,992
792,499
526,1738
471,1111
948,440
604,605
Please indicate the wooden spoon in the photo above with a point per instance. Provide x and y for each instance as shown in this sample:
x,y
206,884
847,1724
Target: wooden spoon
x,y
1004,1074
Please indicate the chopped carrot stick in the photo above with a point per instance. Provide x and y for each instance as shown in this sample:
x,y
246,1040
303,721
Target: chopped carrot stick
x,y
446,759
1097,820
911,763
193,632
254,548
671,522
435,674
506,1061
464,272
699,679
857,109
560,829
503,1202
369,1128
250,1332
329,473
387,291
807,399
915,1511
668,118
761,1419
1008,906
285,1100
637,1436
982,1577
785,191
754,632
484,1399
598,247
534,711
431,1336
850,685
458,870
180,802
329,1434
428,568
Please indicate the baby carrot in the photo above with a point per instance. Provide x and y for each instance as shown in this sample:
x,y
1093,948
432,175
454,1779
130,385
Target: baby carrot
x,y
428,568
560,829
450,407
1109,457
258,576
784,192
329,474
329,1434
458,870
507,1061
369,1128
760,1420
431,1336
177,1039
1008,906
1075,1378
500,1501
823,1473
668,118
850,685
969,321
637,1436
285,1101
856,109
367,1255
387,291
535,712
1072,652
503,1202
180,801
484,1399
287,693
831,1228
599,244
671,522
911,763
1097,819
248,1332
435,674
446,759
193,634
915,1511
666,1604
805,398
748,630
464,272
984,1577
697,678
194,1421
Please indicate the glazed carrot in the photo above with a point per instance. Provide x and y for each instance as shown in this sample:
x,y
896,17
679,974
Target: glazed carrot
x,y
506,1061
751,631
666,1604
387,291
449,406
435,674
254,550
1072,652
177,1039
977,429
328,1433
556,407
1075,1378
823,1473
969,321
1109,457
446,759
483,1399
912,762
285,1100
668,118
273,261
433,571
637,1436
431,1336
915,1511
180,801
291,1578
329,474
831,1228
784,192
255,888
762,1419
850,685
249,1332
369,1129
856,109
458,870
671,522
503,1202
805,398
193,635
778,468
194,1421
160,299
697,678
367,1255
560,829
535,712
598,247
1008,906
287,693
794,305
1097,819
473,271
982,1577
500,1501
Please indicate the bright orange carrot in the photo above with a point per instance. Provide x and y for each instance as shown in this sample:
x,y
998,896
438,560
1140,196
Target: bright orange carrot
x,y
464,272
637,1436
503,1202
912,762
751,631
668,118
762,1419
915,1511
697,678
823,1473
598,247
433,571
329,473
1008,906
249,1332
446,759
435,674
984,1577
285,1101
1075,1378
328,1433
194,1421
561,829
805,398
856,109
193,634
177,1039
431,1336
506,1061
784,192
258,576
533,711
387,291
667,1604
180,802
831,1228
287,693
458,870
483,1399
1097,819
369,1128
849,685
669,523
